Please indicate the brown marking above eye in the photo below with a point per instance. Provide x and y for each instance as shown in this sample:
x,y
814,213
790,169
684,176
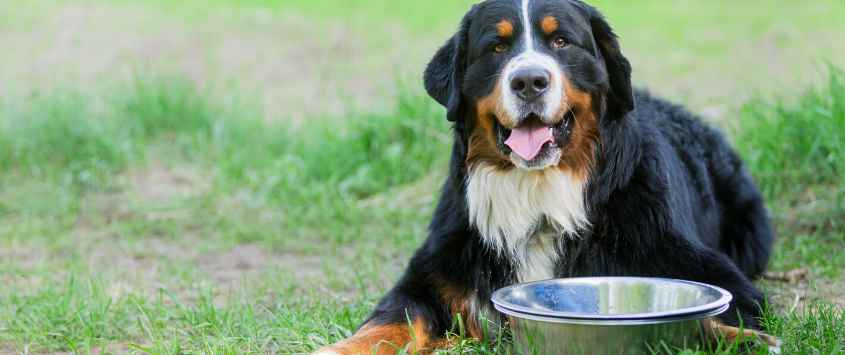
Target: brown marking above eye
x,y
549,24
504,28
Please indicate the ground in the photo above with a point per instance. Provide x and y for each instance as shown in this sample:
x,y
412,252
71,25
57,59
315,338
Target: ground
x,y
251,176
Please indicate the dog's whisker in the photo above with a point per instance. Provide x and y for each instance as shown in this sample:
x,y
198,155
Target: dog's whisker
x,y
572,112
499,73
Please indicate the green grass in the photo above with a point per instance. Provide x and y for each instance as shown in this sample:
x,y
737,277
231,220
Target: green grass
x,y
72,147
816,327
180,217
270,186
415,16
793,147
359,155
803,147
707,55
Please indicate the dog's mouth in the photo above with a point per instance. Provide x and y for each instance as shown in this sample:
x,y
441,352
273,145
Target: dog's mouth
x,y
533,140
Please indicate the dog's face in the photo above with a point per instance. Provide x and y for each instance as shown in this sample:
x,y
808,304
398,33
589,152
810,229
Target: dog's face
x,y
529,80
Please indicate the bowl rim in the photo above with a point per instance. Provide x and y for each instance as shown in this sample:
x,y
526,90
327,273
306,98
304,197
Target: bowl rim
x,y
704,310
614,322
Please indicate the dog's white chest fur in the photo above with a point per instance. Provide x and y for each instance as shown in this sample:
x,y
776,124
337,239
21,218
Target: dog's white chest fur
x,y
524,214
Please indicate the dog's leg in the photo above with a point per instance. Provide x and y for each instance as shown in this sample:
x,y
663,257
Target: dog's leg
x,y
413,317
451,274
386,340
720,333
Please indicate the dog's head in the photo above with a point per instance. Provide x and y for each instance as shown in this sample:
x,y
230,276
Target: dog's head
x,y
529,80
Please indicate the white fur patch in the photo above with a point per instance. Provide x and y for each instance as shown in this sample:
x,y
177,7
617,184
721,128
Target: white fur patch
x,y
483,311
524,214
529,41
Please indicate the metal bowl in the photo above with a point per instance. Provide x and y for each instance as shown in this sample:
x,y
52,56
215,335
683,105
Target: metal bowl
x,y
610,315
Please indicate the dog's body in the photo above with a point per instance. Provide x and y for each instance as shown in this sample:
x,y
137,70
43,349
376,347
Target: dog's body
x,y
555,174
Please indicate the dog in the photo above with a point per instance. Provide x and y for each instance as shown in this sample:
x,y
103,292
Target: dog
x,y
560,168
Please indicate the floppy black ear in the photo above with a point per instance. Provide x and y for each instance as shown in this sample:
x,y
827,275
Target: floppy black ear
x,y
620,98
444,75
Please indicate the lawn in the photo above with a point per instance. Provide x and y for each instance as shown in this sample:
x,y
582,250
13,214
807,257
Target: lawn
x,y
251,176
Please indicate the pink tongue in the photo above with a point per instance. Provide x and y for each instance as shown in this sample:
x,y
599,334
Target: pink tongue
x,y
527,140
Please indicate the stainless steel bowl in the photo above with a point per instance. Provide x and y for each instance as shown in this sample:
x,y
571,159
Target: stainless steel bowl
x,y
609,315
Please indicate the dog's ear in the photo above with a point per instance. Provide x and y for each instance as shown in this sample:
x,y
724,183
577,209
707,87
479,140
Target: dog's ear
x,y
620,97
444,75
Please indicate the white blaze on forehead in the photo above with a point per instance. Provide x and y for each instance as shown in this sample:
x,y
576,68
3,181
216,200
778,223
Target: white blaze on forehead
x,y
527,57
526,22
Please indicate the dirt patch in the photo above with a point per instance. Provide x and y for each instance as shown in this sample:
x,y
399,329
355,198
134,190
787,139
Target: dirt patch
x,y
251,259
155,186
151,261
233,265
7,349
791,297
110,349
25,257
157,182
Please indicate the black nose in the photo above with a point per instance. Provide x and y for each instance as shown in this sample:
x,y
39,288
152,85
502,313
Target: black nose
x,y
528,84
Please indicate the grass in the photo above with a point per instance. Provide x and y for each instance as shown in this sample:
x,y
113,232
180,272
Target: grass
x,y
794,149
709,56
362,154
162,213
814,328
806,148
73,147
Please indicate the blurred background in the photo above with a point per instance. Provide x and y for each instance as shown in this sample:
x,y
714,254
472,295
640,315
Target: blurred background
x,y
251,176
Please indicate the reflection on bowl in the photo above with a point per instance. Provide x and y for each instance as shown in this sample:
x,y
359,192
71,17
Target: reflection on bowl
x,y
609,315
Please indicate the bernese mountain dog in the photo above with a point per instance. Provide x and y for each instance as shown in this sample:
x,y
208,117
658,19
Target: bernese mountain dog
x,y
559,168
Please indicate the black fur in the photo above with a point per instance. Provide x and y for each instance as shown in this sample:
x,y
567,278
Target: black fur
x,y
620,98
669,198
443,77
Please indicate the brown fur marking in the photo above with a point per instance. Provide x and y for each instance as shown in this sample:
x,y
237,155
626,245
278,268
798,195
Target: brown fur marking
x,y
549,24
378,339
578,156
504,28
482,137
459,303
732,334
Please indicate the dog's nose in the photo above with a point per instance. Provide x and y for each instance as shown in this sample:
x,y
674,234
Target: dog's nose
x,y
528,84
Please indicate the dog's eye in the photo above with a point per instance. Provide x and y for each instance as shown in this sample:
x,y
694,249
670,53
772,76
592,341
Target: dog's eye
x,y
560,42
499,48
